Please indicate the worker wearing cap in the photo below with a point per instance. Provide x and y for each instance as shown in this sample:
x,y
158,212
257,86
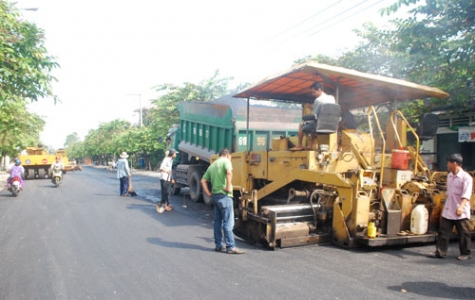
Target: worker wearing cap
x,y
165,180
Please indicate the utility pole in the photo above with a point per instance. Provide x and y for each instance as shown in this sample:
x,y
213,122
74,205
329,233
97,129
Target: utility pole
x,y
140,109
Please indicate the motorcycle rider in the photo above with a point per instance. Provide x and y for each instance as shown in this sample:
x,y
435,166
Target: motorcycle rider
x,y
16,171
58,163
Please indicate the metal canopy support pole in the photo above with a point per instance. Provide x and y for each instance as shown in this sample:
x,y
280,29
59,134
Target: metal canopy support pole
x,y
247,125
337,91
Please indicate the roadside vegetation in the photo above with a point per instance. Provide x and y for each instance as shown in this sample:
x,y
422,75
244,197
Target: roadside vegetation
x,y
432,46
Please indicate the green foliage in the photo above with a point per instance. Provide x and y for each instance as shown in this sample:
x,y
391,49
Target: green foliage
x,y
18,128
110,139
76,150
165,113
434,46
25,75
320,58
25,67
71,140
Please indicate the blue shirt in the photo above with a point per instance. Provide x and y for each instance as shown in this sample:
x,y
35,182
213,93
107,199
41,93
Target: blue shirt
x,y
123,168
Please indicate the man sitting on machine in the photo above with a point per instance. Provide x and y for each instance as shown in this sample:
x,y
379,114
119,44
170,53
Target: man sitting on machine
x,y
320,98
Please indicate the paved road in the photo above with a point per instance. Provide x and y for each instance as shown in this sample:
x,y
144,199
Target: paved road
x,y
83,241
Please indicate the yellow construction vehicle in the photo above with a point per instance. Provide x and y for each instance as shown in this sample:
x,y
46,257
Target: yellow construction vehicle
x,y
37,162
357,187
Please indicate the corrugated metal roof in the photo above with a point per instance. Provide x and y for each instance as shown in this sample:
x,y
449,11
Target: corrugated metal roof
x,y
357,89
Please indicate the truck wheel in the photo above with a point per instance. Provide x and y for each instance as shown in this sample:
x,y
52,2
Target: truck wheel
x,y
174,190
195,187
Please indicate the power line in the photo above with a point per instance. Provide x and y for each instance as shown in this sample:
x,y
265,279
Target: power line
x,y
273,47
332,18
358,12
319,24
303,21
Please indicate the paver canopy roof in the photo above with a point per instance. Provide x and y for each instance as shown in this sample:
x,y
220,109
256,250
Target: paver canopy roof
x,y
357,89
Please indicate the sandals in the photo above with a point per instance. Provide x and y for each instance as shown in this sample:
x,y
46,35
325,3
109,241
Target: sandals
x,y
297,148
168,208
235,251
222,249
434,254
160,209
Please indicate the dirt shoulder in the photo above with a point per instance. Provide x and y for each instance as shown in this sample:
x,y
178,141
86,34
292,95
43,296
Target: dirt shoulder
x,y
3,180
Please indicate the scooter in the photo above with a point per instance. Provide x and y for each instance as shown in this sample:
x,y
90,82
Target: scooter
x,y
57,176
15,186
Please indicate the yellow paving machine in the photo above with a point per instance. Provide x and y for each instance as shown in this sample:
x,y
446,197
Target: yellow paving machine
x,y
357,187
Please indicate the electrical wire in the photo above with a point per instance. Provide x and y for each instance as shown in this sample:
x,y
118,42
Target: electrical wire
x,y
335,18
339,21
304,21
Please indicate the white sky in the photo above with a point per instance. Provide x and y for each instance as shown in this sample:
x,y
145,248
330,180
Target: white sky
x,y
111,52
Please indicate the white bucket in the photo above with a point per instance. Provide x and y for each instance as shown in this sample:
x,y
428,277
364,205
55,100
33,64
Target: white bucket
x,y
419,219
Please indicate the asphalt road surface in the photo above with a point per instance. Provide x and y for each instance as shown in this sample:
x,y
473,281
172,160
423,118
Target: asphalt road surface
x,y
83,241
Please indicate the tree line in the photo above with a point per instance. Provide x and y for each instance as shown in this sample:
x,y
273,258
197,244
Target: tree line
x,y
433,46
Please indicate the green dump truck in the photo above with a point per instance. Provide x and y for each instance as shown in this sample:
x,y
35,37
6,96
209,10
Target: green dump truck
x,y
207,127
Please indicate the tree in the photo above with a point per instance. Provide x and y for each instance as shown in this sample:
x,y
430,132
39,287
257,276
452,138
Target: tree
x,y
164,113
71,140
320,58
76,150
112,138
102,143
439,39
25,66
18,128
434,46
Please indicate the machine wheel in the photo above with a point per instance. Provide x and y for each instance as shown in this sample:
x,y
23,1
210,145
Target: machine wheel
x,y
195,187
41,174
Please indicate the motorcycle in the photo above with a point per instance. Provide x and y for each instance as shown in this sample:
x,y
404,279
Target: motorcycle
x,y
57,176
15,186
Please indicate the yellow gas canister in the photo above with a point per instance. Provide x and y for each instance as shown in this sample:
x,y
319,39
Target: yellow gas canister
x,y
371,230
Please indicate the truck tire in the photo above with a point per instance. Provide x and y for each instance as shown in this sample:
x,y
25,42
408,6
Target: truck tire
x,y
175,190
195,187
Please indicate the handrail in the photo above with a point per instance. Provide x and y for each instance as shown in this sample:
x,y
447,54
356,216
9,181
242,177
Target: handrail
x,y
383,150
392,120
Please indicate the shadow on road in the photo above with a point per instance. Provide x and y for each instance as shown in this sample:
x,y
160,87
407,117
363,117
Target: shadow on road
x,y
163,243
434,290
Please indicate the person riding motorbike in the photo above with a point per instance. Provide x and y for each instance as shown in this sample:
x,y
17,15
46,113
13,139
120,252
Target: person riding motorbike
x,y
57,164
16,171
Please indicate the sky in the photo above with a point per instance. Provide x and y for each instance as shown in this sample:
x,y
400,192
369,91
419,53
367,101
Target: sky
x,y
113,53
